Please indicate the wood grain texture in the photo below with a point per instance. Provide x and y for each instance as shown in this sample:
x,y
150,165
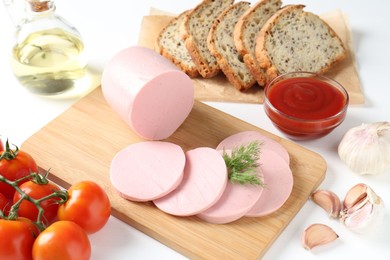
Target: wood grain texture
x,y
81,142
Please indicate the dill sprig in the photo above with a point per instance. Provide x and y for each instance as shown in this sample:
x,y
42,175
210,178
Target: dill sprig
x,y
242,164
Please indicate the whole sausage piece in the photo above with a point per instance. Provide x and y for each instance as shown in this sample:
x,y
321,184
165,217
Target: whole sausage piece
x,y
148,92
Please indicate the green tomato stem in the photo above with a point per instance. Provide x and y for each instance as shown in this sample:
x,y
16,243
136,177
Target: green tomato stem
x,y
8,153
40,179
13,213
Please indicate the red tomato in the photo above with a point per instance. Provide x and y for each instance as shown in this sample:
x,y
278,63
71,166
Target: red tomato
x,y
17,238
1,146
37,191
62,240
5,204
13,166
88,205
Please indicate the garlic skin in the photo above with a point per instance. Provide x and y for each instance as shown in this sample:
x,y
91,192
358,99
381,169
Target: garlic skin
x,y
363,209
366,148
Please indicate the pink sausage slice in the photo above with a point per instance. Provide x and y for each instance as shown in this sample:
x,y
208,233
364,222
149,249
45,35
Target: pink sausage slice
x,y
246,137
148,92
235,202
147,170
278,184
205,178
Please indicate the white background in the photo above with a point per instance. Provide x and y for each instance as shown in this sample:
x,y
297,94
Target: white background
x,y
109,26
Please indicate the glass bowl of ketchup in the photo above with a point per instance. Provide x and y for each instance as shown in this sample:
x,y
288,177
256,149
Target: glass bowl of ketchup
x,y
305,105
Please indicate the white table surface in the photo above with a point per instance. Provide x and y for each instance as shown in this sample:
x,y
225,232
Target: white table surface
x,y
109,26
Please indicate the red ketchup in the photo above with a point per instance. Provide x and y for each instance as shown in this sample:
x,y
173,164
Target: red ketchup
x,y
306,106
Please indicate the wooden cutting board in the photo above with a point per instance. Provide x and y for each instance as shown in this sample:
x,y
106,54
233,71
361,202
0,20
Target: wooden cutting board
x,y
80,143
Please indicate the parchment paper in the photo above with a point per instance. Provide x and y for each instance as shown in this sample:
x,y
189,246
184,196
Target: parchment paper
x,y
219,89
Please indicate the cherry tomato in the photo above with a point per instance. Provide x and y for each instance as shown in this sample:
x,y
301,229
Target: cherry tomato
x,y
13,166
5,204
62,240
88,205
17,238
37,191
1,146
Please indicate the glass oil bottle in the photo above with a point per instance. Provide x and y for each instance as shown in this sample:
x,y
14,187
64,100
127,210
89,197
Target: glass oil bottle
x,y
48,57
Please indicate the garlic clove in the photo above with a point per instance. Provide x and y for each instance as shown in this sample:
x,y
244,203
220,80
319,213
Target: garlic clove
x,y
365,149
327,200
316,235
363,209
354,195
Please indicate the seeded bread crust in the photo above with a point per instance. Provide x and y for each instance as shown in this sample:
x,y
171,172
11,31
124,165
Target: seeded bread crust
x,y
170,45
246,30
295,40
196,26
220,42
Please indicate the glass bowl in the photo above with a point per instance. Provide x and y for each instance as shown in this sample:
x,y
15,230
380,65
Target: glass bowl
x,y
305,105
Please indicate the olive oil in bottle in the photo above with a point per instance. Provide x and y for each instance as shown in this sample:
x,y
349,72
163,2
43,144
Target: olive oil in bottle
x,y
48,57
49,62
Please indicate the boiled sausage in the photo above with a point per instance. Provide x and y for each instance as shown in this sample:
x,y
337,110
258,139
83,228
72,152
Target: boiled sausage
x,y
278,184
147,170
235,202
204,180
243,138
148,92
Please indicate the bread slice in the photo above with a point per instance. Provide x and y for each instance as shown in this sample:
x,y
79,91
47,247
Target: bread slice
x,y
197,24
220,42
295,40
246,30
170,44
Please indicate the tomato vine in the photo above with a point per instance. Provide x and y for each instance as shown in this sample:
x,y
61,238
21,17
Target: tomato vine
x,y
61,195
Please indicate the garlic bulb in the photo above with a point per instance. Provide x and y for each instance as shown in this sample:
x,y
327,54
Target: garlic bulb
x,y
366,148
363,209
